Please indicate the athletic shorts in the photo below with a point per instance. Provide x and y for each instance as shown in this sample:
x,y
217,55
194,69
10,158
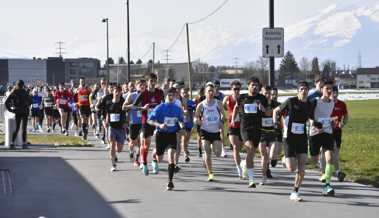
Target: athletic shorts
x,y
323,140
36,113
235,132
56,113
134,131
64,108
294,145
209,136
268,137
116,134
147,130
198,129
253,135
165,141
85,110
49,111
337,135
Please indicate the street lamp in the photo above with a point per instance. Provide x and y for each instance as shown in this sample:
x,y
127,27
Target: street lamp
x,y
128,38
106,20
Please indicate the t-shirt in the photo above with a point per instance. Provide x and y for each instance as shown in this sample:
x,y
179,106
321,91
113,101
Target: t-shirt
x,y
63,98
314,94
83,96
115,114
36,102
322,114
250,115
48,101
230,106
297,113
339,111
267,122
152,98
168,113
188,118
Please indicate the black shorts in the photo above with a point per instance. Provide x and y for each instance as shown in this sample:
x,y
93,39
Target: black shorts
x,y
56,113
85,110
294,145
209,136
198,129
147,130
323,140
235,132
36,113
268,137
134,131
49,111
337,135
165,141
253,135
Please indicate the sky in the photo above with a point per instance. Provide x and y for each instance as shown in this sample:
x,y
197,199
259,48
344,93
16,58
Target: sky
x,y
32,28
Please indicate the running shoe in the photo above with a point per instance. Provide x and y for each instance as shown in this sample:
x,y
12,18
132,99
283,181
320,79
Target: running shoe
x,y
136,164
264,181
295,197
223,154
322,178
66,133
252,184
170,186
211,177
115,159
113,168
48,130
341,176
131,155
200,155
187,159
84,137
155,166
274,162
268,173
80,133
177,169
145,169
328,190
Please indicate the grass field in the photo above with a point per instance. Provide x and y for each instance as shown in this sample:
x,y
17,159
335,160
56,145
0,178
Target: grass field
x,y
360,142
57,140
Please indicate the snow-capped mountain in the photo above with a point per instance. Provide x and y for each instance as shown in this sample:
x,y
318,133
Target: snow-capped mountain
x,y
339,32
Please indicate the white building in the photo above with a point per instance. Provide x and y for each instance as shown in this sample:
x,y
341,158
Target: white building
x,y
368,77
29,70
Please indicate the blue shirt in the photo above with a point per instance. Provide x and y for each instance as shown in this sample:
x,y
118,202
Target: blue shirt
x,y
135,115
167,113
314,94
36,102
188,120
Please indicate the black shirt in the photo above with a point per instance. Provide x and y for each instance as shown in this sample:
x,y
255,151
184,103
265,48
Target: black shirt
x,y
18,102
270,106
251,116
115,113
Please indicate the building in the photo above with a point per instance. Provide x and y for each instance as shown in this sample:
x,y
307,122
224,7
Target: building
x,y
81,67
55,70
32,71
179,71
346,79
118,73
368,77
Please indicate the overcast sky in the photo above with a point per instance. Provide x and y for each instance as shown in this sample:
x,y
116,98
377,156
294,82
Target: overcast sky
x,y
32,28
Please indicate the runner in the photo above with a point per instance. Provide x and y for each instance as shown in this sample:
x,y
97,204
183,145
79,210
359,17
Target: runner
x,y
115,118
135,122
103,91
208,116
188,109
197,100
84,105
167,118
234,131
317,91
251,108
101,106
220,96
93,101
146,102
298,111
321,134
62,97
277,146
48,103
36,110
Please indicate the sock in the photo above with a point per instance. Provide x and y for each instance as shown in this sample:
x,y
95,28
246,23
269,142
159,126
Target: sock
x,y
113,159
200,150
137,157
296,189
329,169
250,173
171,168
84,128
144,154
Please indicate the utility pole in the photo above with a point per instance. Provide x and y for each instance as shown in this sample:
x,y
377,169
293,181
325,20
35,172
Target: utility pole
x,y
272,59
106,20
235,64
152,64
128,37
60,48
189,62
167,57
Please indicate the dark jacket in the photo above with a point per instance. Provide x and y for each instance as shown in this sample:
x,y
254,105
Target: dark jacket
x,y
18,102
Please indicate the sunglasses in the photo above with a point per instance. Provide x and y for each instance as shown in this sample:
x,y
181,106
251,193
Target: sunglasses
x,y
236,89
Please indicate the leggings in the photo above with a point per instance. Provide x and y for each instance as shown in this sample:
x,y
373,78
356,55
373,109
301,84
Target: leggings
x,y
24,119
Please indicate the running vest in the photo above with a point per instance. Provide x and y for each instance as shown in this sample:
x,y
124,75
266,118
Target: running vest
x,y
83,96
135,115
230,106
211,117
48,101
298,113
322,114
36,102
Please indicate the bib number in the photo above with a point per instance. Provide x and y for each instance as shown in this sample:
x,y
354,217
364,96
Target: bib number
x,y
297,128
35,105
115,117
170,121
48,104
267,122
250,108
63,101
212,117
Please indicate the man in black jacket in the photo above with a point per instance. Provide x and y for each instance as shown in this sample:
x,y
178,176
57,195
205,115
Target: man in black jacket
x,y
19,102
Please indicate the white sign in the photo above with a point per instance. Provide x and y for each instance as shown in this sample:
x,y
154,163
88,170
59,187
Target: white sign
x,y
273,42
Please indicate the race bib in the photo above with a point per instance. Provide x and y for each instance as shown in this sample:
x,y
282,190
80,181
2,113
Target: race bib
x,y
297,128
35,105
326,124
170,121
48,104
63,101
267,122
115,117
212,117
250,108
83,98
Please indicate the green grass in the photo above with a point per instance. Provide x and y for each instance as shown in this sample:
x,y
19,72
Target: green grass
x,y
360,142
57,140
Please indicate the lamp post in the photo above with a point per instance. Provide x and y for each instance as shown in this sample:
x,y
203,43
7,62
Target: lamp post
x,y
128,37
106,20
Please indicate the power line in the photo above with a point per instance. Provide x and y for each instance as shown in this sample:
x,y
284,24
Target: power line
x,y
60,48
146,53
177,38
211,14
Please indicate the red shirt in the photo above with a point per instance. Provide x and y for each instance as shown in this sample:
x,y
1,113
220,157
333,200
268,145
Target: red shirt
x,y
62,98
83,96
230,106
151,98
339,111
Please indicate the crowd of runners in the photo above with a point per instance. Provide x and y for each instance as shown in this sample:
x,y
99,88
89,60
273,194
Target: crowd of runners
x,y
309,123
